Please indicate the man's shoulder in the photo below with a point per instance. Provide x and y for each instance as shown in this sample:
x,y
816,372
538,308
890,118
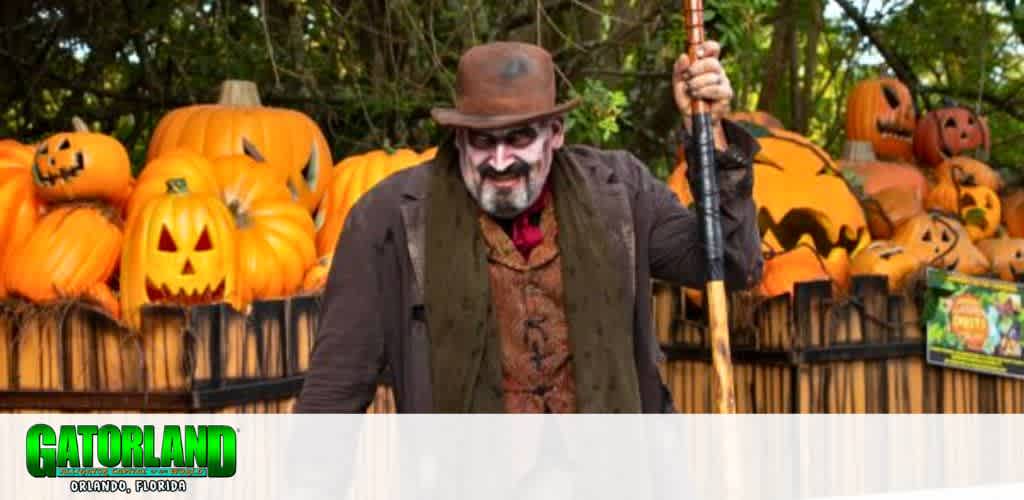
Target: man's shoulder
x,y
610,165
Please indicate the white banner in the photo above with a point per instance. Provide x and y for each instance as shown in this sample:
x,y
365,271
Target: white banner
x,y
375,457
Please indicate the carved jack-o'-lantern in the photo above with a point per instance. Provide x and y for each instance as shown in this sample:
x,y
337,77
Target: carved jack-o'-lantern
x,y
803,201
881,111
1006,256
179,249
964,171
239,124
82,166
941,241
948,132
887,259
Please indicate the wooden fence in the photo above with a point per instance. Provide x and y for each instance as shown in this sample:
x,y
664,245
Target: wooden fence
x,y
809,353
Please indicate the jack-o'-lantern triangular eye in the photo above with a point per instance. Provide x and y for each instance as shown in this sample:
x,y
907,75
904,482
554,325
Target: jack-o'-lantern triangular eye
x,y
204,244
166,241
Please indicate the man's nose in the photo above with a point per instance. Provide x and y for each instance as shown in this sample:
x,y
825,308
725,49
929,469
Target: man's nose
x,y
502,158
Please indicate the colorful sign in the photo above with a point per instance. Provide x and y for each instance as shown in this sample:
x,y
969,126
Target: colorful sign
x,y
974,323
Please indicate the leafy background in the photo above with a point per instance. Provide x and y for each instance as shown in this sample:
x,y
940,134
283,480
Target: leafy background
x,y
369,71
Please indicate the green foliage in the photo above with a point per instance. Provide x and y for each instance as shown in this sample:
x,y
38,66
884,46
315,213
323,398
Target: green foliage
x,y
596,120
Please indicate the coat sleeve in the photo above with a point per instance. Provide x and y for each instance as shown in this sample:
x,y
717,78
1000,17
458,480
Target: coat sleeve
x,y
349,354
676,239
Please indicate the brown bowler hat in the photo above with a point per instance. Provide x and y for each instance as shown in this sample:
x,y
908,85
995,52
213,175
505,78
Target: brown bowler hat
x,y
502,84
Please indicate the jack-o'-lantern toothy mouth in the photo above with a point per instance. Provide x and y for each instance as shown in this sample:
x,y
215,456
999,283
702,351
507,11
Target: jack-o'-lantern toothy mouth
x,y
892,130
63,174
804,227
165,295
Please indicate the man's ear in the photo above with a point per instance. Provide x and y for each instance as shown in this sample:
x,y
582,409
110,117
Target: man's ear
x,y
557,132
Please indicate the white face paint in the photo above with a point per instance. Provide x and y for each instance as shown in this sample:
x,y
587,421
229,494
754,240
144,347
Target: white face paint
x,y
505,169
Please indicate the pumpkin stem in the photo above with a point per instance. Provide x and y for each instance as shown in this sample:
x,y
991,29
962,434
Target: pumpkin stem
x,y
177,186
79,124
239,93
242,220
858,151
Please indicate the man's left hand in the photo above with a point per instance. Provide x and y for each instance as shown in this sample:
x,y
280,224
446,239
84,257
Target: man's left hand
x,y
703,79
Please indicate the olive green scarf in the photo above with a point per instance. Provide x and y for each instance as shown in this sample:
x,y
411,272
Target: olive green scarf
x,y
466,362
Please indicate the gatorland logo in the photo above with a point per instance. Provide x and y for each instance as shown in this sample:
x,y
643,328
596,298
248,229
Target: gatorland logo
x,y
126,458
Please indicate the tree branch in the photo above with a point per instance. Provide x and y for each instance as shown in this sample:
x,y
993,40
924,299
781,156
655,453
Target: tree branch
x,y
903,70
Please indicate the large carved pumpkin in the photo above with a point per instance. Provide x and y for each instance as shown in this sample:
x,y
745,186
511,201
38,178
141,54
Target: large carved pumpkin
x,y
944,133
239,124
880,111
802,200
274,234
180,249
82,166
1006,256
70,254
354,176
941,241
884,258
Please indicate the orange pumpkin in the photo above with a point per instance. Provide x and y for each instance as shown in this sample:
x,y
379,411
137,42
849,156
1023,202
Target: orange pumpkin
x,y
944,133
803,201
1006,256
941,241
759,118
880,111
680,185
19,211
964,171
82,166
316,277
889,208
884,258
1013,213
194,168
70,254
876,176
238,124
14,153
784,270
274,234
354,176
180,249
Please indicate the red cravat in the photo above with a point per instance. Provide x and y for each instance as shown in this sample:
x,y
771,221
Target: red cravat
x,y
526,232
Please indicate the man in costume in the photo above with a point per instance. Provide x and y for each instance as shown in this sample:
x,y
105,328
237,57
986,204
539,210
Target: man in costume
x,y
512,273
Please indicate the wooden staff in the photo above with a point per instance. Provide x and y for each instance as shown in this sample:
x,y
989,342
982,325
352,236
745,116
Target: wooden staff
x,y
704,142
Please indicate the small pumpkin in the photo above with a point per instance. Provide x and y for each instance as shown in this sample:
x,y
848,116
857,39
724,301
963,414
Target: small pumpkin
x,y
180,249
784,270
881,111
274,234
980,211
884,258
1006,256
82,166
889,208
239,124
316,277
1013,213
952,131
70,254
19,212
964,171
353,177
940,241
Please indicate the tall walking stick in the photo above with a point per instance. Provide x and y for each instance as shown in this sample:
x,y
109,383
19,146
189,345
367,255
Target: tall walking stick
x,y
704,140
